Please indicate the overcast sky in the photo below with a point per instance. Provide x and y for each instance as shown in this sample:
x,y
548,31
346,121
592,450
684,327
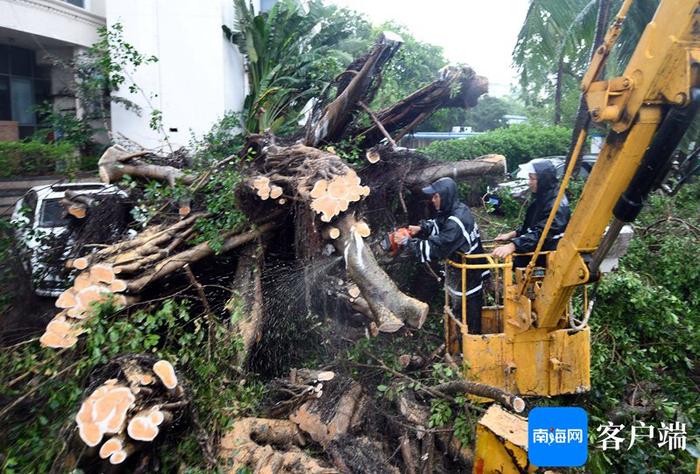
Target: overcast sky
x,y
480,33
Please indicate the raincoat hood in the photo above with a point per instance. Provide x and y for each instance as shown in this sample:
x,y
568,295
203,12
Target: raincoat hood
x,y
546,177
447,189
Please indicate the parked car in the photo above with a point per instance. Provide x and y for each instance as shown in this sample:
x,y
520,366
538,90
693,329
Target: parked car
x,y
39,217
517,186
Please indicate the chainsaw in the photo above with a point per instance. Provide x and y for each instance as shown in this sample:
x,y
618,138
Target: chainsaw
x,y
392,240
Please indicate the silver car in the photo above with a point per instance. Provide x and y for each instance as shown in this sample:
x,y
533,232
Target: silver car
x,y
38,217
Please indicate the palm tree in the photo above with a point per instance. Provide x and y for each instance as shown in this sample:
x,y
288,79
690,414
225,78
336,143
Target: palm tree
x,y
556,39
291,51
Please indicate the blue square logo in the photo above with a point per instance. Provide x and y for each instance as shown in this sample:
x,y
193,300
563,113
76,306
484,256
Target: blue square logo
x,y
557,437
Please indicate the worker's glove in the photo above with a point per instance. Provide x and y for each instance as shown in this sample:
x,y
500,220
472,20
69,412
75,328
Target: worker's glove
x,y
425,226
412,247
403,240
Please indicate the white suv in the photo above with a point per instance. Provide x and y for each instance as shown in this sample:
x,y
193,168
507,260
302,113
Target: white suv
x,y
38,216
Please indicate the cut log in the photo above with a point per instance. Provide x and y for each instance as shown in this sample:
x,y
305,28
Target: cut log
x,y
82,281
104,412
111,446
347,400
362,229
60,333
166,373
101,273
390,307
118,457
66,299
330,233
142,428
117,286
124,418
373,155
91,294
80,263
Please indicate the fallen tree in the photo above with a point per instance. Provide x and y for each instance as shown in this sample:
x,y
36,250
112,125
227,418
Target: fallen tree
x,y
302,199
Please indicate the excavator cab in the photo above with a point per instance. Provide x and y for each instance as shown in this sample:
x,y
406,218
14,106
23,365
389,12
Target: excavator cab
x,y
512,353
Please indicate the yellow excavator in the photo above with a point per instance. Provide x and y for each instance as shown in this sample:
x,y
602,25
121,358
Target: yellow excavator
x,y
533,343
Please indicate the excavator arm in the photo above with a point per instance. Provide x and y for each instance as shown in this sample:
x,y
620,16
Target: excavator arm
x,y
649,109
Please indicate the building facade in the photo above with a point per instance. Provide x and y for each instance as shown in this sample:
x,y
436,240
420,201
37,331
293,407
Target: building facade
x,y
199,75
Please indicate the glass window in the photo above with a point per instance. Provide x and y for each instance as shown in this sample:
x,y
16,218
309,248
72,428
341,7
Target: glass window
x,y
4,59
5,111
21,61
77,3
52,214
22,96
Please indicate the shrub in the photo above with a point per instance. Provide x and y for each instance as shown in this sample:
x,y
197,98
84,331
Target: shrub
x,y
35,158
518,143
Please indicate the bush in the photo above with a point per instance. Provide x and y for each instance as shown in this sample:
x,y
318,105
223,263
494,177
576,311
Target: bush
x,y
34,159
518,143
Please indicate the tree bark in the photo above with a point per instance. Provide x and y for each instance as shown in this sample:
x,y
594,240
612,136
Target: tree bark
x,y
116,163
409,112
487,165
337,115
391,307
249,445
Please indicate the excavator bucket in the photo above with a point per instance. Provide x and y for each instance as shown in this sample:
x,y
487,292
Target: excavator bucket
x,y
501,443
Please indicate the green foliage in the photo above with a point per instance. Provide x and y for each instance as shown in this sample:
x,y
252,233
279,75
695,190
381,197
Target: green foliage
x,y
65,128
440,413
487,115
35,159
224,139
222,203
105,68
292,51
554,44
413,66
645,328
518,143
170,331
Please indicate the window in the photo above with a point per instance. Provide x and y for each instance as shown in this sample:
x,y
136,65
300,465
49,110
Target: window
x,y
77,3
21,62
52,214
22,95
5,110
23,85
4,59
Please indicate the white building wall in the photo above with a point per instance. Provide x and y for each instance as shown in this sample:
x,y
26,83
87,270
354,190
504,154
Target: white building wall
x,y
51,19
199,75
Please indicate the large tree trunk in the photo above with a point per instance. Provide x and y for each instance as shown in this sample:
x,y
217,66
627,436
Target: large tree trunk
x,y
390,306
410,112
246,304
488,165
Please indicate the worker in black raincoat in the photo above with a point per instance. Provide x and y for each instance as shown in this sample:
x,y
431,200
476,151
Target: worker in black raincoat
x,y
452,230
542,180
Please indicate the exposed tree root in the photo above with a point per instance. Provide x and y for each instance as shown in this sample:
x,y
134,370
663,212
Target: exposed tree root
x,y
266,445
